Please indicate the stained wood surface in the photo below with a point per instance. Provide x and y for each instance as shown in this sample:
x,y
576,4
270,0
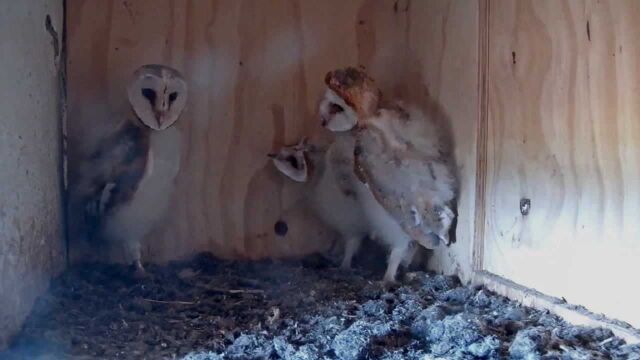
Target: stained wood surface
x,y
564,132
32,247
256,70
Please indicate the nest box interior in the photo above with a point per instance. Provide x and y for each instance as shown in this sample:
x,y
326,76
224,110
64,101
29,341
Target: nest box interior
x,y
541,99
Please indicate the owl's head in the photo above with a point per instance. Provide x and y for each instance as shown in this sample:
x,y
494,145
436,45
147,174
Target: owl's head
x,y
291,161
158,94
335,114
351,95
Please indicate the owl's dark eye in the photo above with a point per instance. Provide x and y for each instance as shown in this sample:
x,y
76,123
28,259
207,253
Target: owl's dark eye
x,y
173,96
335,109
150,94
293,161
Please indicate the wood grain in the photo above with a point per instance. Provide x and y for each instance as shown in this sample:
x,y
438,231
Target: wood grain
x,y
256,72
564,132
482,129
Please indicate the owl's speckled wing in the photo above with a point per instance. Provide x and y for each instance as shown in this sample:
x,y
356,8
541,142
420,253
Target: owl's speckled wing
x,y
112,174
414,186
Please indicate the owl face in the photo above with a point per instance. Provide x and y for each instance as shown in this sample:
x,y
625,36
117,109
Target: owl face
x,y
291,161
158,94
336,115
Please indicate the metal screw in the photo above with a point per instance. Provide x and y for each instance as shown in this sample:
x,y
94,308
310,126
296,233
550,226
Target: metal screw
x,y
525,206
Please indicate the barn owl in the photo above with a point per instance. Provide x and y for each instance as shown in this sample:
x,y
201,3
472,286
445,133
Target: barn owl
x,y
126,183
339,198
399,154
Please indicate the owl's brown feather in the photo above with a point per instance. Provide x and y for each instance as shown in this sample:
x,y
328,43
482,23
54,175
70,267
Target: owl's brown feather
x,y
356,88
118,165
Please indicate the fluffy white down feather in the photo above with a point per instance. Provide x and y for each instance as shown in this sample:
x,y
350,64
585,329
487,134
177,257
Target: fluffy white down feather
x,y
135,219
406,164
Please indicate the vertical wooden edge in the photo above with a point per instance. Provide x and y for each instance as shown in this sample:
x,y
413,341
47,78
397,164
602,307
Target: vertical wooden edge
x,y
482,130
570,313
63,131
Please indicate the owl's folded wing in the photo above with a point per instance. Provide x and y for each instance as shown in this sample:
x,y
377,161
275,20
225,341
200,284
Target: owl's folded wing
x,y
404,183
109,176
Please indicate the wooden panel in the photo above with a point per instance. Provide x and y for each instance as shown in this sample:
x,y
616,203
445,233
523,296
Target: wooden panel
x,y
564,132
256,71
32,249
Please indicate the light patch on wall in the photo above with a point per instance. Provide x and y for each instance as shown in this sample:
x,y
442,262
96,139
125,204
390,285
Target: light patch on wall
x,y
581,273
282,52
213,74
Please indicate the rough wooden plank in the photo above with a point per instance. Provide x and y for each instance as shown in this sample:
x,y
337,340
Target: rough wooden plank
x,y
31,216
564,133
482,128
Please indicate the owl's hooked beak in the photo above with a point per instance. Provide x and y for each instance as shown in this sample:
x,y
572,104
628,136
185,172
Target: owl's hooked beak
x,y
161,111
161,117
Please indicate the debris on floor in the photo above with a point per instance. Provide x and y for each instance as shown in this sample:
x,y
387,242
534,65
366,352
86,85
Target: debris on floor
x,y
208,309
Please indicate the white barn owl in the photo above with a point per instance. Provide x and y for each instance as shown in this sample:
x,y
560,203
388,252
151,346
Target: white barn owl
x,y
399,155
330,193
340,200
124,186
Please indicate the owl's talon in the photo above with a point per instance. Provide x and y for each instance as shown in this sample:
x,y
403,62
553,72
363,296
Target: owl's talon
x,y
388,284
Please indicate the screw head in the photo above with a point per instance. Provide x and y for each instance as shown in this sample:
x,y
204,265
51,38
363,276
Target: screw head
x,y
525,206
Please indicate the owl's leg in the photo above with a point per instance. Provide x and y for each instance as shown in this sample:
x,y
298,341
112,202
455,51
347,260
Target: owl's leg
x,y
445,217
134,254
398,253
417,217
409,255
105,196
351,247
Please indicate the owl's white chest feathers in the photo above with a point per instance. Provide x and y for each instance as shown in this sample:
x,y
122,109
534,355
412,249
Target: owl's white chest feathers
x,y
335,196
357,213
151,199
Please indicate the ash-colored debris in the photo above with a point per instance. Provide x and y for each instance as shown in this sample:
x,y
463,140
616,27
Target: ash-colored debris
x,y
582,334
516,313
351,343
486,348
425,320
197,313
548,320
628,352
530,343
321,331
481,299
458,295
407,293
412,353
286,351
439,283
406,311
250,347
453,334
206,355
373,308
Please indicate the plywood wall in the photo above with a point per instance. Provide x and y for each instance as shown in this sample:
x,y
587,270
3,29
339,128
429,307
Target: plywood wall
x,y
31,233
564,132
256,73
